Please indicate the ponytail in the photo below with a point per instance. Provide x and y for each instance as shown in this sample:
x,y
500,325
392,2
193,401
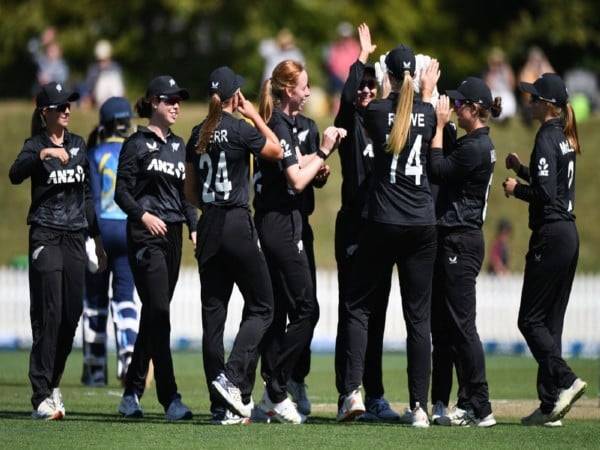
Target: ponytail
x,y
265,105
570,129
38,123
143,108
215,110
401,128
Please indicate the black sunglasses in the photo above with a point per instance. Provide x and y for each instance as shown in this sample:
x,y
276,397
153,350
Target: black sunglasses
x,y
60,108
371,84
170,100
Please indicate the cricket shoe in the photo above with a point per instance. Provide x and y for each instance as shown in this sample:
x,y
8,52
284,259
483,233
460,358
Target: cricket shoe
x,y
299,396
470,419
566,398
177,410
378,410
352,406
58,401
130,407
231,395
284,411
536,418
416,417
47,411
439,414
457,416
223,416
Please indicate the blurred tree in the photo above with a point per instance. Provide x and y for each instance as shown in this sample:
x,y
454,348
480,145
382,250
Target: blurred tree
x,y
187,38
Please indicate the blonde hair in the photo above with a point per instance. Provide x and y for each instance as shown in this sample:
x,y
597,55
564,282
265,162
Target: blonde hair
x,y
285,75
401,128
215,110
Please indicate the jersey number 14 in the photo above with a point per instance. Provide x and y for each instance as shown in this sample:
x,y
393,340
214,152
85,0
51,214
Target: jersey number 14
x,y
413,165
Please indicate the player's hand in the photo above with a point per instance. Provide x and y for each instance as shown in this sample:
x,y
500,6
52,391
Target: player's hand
x,y
366,47
193,238
443,111
513,162
429,78
509,186
55,152
322,176
331,138
154,225
245,107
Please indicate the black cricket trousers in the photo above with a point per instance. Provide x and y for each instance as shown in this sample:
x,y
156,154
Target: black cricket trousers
x,y
56,283
459,258
155,262
550,267
348,231
413,250
302,368
238,259
294,300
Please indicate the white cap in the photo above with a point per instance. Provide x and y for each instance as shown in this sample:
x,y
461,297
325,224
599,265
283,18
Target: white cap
x,y
103,50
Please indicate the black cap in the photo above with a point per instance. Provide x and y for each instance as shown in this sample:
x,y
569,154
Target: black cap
x,y
166,85
224,82
53,94
115,108
549,88
400,59
473,90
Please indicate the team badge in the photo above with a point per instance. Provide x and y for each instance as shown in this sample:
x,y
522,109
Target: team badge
x,y
153,147
74,151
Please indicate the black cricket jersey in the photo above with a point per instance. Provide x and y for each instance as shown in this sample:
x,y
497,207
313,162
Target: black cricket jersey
x,y
272,192
551,177
399,192
223,171
465,175
150,178
60,195
356,150
308,142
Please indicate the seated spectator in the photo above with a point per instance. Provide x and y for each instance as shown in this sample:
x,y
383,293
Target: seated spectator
x,y
499,251
500,78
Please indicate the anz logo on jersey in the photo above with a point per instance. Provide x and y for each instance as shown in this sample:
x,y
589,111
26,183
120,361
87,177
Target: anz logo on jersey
x,y
67,176
158,165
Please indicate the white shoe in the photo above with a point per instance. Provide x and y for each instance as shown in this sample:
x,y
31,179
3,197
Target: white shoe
x,y
378,410
299,396
58,401
47,411
485,422
177,410
555,424
457,416
222,416
566,398
130,407
439,414
284,412
536,418
416,417
352,406
231,395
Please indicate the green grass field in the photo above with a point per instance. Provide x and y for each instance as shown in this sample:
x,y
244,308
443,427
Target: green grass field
x,y
14,201
92,422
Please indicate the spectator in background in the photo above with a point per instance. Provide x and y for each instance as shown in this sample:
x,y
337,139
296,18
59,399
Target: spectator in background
x,y
537,64
340,55
500,78
104,78
47,55
583,89
499,252
279,49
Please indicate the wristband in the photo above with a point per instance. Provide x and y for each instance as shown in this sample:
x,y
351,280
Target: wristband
x,y
321,154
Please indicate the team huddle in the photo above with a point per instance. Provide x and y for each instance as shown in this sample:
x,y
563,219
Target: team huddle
x,y
414,195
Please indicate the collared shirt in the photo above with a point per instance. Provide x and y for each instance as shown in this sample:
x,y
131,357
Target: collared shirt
x,y
60,194
465,176
150,178
223,171
551,174
271,188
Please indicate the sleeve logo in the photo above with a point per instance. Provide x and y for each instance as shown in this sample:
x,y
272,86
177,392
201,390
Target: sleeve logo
x,y
543,168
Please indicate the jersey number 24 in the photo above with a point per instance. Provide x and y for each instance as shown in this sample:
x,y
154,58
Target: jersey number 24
x,y
221,184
